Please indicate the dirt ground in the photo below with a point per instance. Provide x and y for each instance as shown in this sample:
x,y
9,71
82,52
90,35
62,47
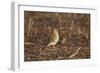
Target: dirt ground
x,y
74,33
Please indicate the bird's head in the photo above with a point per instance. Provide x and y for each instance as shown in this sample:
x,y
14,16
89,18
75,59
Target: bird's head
x,y
55,30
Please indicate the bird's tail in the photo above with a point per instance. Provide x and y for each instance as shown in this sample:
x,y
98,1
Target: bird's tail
x,y
49,44
46,46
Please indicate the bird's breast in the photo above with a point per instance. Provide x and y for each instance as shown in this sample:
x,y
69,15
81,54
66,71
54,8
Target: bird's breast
x,y
56,37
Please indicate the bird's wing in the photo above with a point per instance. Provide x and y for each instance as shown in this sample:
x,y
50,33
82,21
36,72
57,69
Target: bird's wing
x,y
52,37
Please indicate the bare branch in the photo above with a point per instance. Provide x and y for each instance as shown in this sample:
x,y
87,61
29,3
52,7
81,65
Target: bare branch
x,y
28,43
75,53
29,26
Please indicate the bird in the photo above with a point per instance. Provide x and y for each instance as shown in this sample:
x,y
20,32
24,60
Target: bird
x,y
54,38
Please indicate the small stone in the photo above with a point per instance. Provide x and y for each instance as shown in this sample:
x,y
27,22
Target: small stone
x,y
28,58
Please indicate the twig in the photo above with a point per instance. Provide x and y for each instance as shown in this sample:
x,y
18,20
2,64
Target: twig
x,y
75,53
28,43
72,25
59,18
29,27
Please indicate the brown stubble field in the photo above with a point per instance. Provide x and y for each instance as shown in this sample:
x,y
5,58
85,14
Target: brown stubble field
x,y
74,33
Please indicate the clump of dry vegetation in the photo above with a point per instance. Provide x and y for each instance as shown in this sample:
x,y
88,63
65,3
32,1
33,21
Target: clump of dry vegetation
x,y
74,34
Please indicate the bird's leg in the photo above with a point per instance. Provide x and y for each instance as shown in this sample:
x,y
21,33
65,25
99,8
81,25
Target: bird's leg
x,y
53,46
